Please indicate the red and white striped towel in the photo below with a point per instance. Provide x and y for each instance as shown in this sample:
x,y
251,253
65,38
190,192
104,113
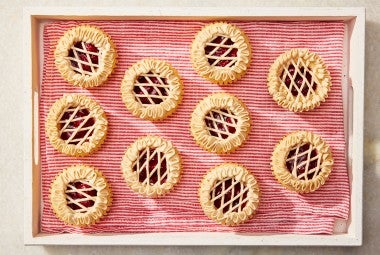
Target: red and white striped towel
x,y
280,211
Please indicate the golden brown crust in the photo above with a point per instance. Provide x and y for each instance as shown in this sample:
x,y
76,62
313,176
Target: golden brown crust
x,y
95,73
220,109
56,125
242,200
308,180
166,86
152,152
303,61
235,67
60,196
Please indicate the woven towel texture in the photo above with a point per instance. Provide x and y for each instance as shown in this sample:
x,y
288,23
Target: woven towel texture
x,y
280,211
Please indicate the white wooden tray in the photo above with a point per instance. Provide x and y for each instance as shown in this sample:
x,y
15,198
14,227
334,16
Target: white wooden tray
x,y
353,97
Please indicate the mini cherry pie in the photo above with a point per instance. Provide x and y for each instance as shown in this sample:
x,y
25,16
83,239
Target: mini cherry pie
x,y
220,123
80,195
302,161
299,80
151,89
229,194
151,166
76,125
221,53
85,56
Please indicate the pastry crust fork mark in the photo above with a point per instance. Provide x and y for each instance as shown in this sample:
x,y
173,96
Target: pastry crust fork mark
x,y
152,92
301,69
217,124
79,65
81,128
72,191
225,47
304,160
153,162
233,202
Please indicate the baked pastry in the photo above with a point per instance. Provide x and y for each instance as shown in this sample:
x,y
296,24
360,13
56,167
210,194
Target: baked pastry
x,y
151,89
220,123
76,125
151,166
229,194
80,195
299,80
221,53
85,56
302,161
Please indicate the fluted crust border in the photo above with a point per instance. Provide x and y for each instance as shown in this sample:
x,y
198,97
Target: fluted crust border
x,y
58,195
226,171
280,92
95,140
280,154
220,75
87,34
155,111
211,143
173,160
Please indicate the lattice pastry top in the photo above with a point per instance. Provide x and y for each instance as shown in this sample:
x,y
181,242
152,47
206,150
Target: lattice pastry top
x,y
80,195
302,161
229,194
151,166
221,53
85,56
151,89
76,125
220,123
299,80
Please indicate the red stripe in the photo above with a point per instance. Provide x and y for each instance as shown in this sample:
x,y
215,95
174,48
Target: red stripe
x,y
280,211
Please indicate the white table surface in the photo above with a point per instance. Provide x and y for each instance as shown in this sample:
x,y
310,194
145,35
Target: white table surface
x,y
11,169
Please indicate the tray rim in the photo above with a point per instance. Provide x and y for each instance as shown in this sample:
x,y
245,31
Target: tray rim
x,y
355,20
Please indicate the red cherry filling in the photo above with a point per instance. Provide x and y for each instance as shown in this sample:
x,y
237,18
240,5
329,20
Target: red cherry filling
x,y
222,121
150,93
299,80
152,171
74,123
231,198
298,160
88,54
220,50
78,195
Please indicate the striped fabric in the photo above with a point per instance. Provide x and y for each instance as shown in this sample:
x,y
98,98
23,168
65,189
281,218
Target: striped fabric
x,y
280,211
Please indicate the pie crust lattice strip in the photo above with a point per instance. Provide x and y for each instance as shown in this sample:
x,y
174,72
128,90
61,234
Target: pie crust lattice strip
x,y
221,53
229,194
302,161
85,56
151,166
80,195
72,132
299,80
76,125
151,89
220,123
